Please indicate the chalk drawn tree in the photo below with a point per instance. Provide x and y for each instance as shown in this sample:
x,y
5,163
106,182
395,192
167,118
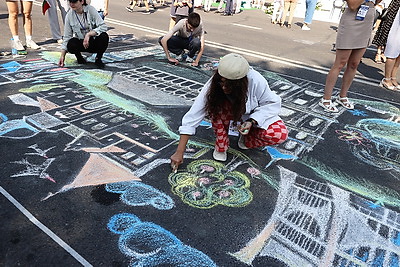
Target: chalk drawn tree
x,y
208,183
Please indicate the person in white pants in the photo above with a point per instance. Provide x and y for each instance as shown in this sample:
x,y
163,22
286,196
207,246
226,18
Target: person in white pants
x,y
53,17
207,5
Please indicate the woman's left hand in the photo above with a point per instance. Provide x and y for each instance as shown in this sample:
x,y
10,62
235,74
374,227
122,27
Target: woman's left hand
x,y
245,127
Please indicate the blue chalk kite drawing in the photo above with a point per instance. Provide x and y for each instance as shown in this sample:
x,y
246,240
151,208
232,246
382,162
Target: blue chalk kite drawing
x,y
11,66
149,245
276,155
138,194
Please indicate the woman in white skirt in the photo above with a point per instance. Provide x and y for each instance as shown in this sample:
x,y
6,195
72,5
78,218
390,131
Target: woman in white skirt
x,y
26,9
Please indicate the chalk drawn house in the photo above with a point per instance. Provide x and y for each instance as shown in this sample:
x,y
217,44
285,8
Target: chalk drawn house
x,y
306,121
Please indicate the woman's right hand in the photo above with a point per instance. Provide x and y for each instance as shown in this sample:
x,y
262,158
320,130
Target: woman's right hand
x,y
61,61
176,160
173,60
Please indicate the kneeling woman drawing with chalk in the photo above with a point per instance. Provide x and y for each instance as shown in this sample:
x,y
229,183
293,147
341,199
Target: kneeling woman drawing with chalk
x,y
239,93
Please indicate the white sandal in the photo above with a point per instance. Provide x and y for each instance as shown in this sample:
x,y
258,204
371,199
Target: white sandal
x,y
328,105
345,102
396,87
383,84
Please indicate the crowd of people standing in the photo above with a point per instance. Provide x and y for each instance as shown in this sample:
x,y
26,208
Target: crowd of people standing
x,y
85,31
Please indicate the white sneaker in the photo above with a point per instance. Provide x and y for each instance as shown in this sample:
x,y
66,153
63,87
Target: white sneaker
x,y
189,59
32,45
241,144
220,156
18,45
305,27
181,57
60,41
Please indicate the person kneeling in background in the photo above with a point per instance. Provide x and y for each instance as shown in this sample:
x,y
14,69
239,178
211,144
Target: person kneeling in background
x,y
84,31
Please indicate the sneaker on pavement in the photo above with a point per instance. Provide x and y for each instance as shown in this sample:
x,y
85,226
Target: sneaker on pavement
x,y
181,57
189,59
241,144
80,59
305,27
32,45
220,156
147,12
99,63
18,45
129,9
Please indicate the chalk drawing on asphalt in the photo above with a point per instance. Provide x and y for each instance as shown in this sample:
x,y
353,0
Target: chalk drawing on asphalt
x,y
276,155
383,151
33,70
38,151
16,129
148,244
98,170
357,112
306,121
318,224
108,57
139,194
40,88
167,82
381,195
32,169
21,99
44,121
207,183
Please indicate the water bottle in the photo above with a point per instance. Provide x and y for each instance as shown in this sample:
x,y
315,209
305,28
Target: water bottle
x,y
14,50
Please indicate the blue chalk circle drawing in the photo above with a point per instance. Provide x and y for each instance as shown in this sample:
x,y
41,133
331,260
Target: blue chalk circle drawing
x,y
149,245
139,194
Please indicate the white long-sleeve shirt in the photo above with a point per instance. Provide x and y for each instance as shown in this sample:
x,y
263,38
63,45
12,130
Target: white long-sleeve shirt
x,y
262,105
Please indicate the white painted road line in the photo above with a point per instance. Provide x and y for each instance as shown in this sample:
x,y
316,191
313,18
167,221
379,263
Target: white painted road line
x,y
246,26
42,227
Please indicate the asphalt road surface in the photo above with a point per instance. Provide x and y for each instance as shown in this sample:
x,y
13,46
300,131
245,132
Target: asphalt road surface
x,y
85,174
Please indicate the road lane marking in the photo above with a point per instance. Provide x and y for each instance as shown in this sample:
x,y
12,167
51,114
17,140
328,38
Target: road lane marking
x,y
250,53
246,26
42,227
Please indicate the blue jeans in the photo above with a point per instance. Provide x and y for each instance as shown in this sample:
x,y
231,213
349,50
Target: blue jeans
x,y
177,44
310,8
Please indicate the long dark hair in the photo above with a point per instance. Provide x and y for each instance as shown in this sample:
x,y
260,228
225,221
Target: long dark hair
x,y
216,97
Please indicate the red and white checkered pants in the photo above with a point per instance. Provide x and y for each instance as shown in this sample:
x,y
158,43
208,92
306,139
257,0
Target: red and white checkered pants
x,y
257,137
